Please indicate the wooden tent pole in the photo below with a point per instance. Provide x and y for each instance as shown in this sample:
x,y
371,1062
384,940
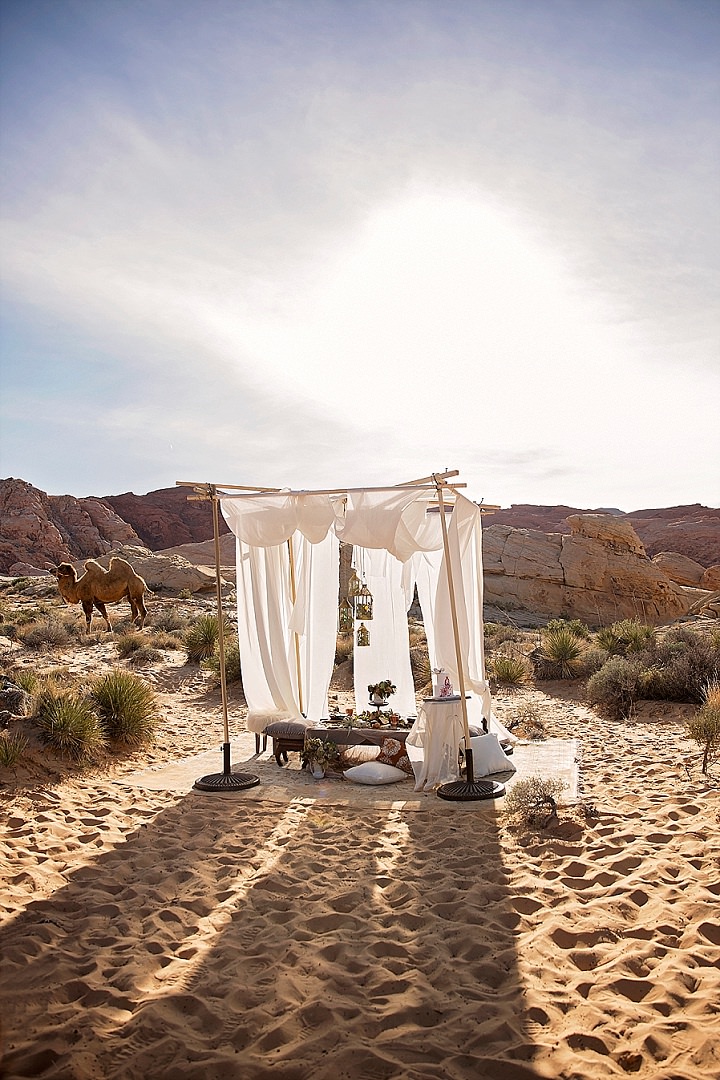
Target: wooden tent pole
x,y
453,613
220,619
293,593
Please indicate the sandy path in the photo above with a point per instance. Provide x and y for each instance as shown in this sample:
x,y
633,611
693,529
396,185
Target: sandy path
x,y
150,934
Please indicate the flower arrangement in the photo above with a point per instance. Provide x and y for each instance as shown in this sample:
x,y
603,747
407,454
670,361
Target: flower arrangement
x,y
322,752
382,689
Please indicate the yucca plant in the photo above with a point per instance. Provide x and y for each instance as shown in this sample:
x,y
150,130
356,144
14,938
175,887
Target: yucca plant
x,y
608,641
510,670
575,626
127,707
201,639
561,653
26,678
68,725
12,748
634,635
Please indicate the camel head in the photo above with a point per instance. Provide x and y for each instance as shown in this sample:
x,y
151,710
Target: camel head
x,y
65,572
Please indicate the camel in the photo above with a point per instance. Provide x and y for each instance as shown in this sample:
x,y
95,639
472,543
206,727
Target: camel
x,y
97,587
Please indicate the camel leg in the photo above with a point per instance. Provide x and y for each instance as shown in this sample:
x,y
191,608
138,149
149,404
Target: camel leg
x,y
140,612
87,606
101,608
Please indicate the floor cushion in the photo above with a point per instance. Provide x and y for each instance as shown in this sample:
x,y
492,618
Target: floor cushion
x,y
488,756
374,772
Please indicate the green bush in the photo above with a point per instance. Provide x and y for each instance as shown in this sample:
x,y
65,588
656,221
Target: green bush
x,y
561,654
201,639
616,687
12,748
233,670
127,707
509,669
68,725
625,636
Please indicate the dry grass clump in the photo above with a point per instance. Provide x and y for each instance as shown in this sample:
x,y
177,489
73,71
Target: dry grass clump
x,y
51,633
126,706
510,669
68,725
12,748
170,619
343,648
704,728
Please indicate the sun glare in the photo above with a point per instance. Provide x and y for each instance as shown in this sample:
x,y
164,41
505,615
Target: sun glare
x,y
435,294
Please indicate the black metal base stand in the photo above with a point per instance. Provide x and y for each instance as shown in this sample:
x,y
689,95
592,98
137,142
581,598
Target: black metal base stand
x,y
226,780
470,789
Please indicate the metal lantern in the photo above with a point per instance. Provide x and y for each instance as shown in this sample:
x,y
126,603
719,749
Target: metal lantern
x,y
363,635
345,617
364,604
353,584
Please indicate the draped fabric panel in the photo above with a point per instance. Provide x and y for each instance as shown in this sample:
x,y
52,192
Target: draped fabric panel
x,y
402,545
388,654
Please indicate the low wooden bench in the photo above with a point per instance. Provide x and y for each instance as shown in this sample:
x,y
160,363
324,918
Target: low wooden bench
x,y
287,738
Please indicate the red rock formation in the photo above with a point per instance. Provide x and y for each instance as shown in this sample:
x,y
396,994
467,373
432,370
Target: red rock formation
x,y
40,530
165,518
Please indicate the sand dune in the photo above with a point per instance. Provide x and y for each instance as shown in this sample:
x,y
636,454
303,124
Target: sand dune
x,y
179,934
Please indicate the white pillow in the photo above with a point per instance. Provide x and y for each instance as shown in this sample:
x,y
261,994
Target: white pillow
x,y
488,756
373,772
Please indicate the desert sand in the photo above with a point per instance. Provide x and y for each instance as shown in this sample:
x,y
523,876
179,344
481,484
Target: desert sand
x,y
172,933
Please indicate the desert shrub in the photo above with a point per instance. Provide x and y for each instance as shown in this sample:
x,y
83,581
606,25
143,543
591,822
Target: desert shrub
x,y
127,707
634,636
169,619
535,799
526,722
200,640
127,644
684,665
497,633
420,666
616,687
417,634
575,626
12,748
165,639
68,725
625,636
592,660
561,654
510,669
49,634
233,670
704,727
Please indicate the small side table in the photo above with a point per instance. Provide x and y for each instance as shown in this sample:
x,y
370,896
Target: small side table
x,y
439,730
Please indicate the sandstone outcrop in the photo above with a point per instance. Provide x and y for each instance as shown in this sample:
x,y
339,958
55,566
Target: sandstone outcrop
x,y
598,573
162,570
692,530
711,578
679,568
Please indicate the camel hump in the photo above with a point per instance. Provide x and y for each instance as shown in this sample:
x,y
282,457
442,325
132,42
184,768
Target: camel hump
x,y
94,568
120,565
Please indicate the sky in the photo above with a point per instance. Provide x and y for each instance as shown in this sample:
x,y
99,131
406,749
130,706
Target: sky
x,y
319,243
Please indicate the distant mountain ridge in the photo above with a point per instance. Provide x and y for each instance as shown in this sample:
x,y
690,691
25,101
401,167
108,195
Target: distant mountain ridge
x,y
39,530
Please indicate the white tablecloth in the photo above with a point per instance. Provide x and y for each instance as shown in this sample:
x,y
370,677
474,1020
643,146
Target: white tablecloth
x,y
439,731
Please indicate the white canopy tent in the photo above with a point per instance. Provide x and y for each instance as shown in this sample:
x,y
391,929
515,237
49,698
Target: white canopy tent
x,y
287,545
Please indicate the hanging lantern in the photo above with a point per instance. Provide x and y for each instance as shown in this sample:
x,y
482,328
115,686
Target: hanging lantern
x,y
363,636
345,617
353,585
364,604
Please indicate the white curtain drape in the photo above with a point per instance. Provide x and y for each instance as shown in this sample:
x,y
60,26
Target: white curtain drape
x,y
388,654
403,545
